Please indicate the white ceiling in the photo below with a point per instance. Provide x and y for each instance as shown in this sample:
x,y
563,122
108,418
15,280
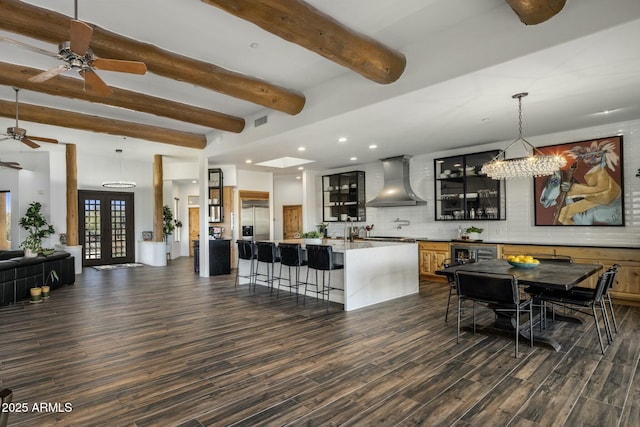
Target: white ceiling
x,y
465,59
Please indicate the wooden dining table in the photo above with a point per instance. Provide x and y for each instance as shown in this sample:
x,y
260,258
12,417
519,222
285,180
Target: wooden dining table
x,y
552,275
546,275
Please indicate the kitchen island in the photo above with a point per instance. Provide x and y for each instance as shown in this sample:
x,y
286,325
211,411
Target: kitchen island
x,y
373,272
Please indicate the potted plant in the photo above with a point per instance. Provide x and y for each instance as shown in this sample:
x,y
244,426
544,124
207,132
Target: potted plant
x,y
322,228
312,238
474,233
37,228
50,279
167,222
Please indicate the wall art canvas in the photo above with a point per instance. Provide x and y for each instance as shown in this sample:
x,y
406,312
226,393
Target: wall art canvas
x,y
589,190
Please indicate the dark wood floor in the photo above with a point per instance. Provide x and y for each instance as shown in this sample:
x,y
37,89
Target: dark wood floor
x,y
159,346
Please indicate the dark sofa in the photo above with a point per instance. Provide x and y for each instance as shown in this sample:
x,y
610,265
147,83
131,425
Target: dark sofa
x,y
19,273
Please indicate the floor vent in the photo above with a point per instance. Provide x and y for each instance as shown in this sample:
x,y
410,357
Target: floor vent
x,y
260,121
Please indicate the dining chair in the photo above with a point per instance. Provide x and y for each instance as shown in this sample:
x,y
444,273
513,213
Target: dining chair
x,y
291,257
577,301
450,262
546,258
499,292
6,396
246,251
606,296
320,259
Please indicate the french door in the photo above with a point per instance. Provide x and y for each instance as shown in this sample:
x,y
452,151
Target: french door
x,y
106,230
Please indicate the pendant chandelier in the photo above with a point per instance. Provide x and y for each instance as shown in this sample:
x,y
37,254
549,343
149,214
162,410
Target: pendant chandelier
x,y
537,164
120,183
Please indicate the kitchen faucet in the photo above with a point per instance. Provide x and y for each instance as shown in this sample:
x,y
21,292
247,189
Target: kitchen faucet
x,y
401,222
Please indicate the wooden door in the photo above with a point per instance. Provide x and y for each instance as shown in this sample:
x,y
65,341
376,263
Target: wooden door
x,y
291,221
194,227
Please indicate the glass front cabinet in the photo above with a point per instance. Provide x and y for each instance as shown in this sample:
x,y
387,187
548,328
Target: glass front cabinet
x,y
463,193
343,197
215,201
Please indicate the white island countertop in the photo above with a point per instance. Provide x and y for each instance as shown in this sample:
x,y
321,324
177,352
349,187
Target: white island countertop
x,y
374,271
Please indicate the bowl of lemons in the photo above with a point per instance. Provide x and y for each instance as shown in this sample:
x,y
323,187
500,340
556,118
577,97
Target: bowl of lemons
x,y
523,261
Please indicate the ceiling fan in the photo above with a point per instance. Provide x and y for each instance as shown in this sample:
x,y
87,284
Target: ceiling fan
x,y
78,56
20,134
12,165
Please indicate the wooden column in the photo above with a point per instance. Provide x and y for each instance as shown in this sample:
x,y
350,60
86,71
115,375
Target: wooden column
x,y
72,195
157,196
4,243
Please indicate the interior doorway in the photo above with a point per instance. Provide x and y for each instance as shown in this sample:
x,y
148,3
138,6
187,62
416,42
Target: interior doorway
x,y
194,227
291,221
106,227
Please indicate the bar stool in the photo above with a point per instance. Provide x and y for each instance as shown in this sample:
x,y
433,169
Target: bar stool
x,y
267,254
246,251
291,256
320,258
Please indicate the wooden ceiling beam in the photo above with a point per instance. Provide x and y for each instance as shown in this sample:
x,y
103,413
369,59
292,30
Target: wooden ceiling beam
x,y
301,23
532,12
53,27
55,117
18,75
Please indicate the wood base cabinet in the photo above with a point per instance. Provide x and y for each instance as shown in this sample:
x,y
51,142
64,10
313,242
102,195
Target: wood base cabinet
x,y
431,256
626,289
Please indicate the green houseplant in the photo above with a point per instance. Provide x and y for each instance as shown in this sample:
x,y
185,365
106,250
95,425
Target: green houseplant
x,y
168,224
474,233
312,237
37,228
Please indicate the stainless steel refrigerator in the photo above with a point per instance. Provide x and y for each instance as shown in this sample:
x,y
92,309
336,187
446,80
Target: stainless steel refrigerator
x,y
254,220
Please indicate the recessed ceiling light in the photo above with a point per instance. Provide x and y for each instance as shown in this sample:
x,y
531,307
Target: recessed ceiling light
x,y
353,159
485,120
300,168
297,177
301,148
342,139
254,45
605,112
373,147
248,161
194,182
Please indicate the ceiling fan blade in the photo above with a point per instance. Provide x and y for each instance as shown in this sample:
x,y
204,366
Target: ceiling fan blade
x,y
39,138
13,165
80,37
49,74
96,83
30,143
28,46
133,67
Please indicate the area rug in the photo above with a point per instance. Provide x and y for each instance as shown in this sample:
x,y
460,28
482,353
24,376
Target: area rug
x,y
117,266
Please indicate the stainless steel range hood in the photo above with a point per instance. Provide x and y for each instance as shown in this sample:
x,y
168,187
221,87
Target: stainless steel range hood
x,y
396,190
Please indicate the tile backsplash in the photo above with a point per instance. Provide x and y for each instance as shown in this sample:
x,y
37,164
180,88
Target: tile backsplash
x,y
519,226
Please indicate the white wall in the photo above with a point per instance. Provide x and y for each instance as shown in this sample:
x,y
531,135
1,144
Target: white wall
x,y
519,226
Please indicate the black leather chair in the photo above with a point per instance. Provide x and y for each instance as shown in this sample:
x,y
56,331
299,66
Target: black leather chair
x,y
450,262
246,251
606,296
6,396
498,291
320,259
291,256
268,255
577,300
